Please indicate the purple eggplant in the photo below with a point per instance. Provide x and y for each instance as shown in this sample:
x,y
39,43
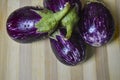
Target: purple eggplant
x,y
28,23
70,52
21,25
72,18
97,24
57,5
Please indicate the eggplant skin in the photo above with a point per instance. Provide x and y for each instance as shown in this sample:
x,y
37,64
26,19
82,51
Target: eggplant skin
x,y
21,25
69,52
57,5
96,25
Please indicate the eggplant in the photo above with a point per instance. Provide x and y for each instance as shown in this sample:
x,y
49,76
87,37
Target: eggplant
x,y
28,23
21,25
57,5
71,19
97,24
68,51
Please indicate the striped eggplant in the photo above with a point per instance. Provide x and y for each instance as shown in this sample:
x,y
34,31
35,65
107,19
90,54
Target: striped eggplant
x,y
57,5
70,52
97,24
21,25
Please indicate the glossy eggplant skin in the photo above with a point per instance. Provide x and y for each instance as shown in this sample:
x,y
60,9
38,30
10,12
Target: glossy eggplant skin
x,y
70,52
97,24
57,5
21,25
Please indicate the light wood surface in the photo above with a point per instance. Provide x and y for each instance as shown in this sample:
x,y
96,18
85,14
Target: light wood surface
x,y
36,61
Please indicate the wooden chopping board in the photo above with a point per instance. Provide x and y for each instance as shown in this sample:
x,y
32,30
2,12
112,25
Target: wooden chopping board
x,y
36,61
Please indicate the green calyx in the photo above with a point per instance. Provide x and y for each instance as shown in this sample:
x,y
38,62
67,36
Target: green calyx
x,y
50,20
70,20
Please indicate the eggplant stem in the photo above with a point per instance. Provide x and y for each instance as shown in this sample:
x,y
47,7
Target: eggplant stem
x,y
70,20
69,31
59,15
50,20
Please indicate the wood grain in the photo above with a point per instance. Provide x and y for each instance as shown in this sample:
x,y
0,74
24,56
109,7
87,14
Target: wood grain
x,y
36,61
